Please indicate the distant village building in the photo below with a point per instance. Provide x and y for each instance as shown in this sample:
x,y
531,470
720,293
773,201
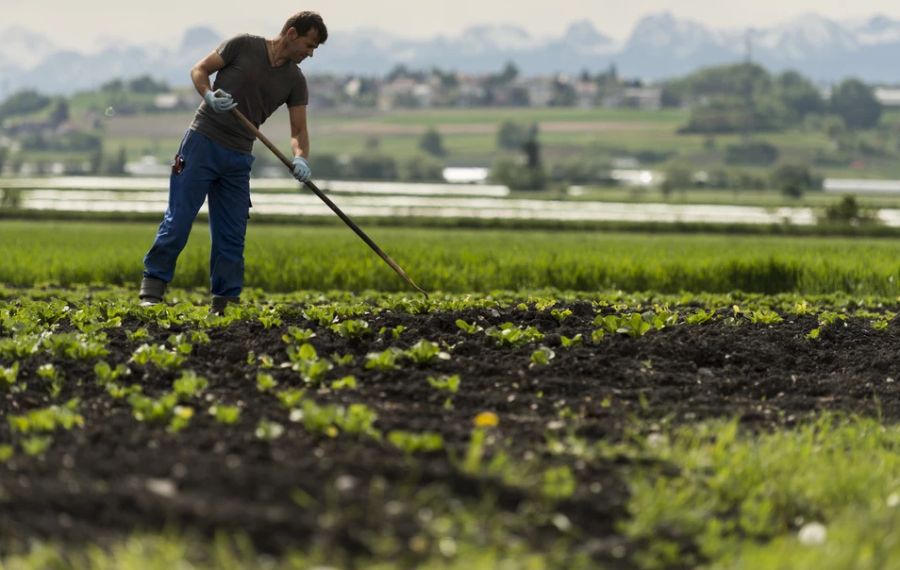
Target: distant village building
x,y
404,92
540,90
888,96
646,98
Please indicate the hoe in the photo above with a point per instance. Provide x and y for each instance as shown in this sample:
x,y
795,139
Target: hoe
x,y
387,259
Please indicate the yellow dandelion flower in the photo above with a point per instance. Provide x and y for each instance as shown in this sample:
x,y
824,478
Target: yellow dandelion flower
x,y
486,419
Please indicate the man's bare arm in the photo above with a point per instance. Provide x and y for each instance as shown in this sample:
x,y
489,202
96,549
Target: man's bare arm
x,y
299,131
203,69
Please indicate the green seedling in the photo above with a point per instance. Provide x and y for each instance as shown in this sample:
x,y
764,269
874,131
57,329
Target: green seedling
x,y
49,373
200,337
189,385
475,452
107,374
570,342
306,361
383,361
331,420
661,318
265,382
137,335
181,417
75,346
322,315
342,360
765,317
6,453
445,383
36,445
411,443
634,325
542,356
509,334
345,383
9,375
558,483
269,318
297,335
425,351
290,398
180,344
157,355
268,431
700,317
561,315
19,347
468,328
223,414
351,329
146,409
46,420
395,331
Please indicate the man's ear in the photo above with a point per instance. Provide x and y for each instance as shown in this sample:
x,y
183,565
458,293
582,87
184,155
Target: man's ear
x,y
291,34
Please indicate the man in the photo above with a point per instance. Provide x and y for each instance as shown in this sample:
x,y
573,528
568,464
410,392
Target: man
x,y
256,76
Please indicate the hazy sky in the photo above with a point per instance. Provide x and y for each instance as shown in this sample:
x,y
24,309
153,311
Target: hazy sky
x,y
85,23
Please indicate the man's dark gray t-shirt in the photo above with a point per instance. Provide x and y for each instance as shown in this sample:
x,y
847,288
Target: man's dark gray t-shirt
x,y
258,87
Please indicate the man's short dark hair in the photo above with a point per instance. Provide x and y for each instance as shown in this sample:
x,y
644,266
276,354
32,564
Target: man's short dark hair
x,y
302,22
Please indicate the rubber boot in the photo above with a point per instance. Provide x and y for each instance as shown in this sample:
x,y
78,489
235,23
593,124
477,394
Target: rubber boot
x,y
218,304
152,291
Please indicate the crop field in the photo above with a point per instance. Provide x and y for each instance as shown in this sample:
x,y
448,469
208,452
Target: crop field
x,y
470,136
678,402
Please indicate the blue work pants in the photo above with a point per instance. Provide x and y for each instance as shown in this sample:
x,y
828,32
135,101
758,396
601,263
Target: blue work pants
x,y
223,175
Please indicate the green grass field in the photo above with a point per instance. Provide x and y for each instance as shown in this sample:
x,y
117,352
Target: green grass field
x,y
286,258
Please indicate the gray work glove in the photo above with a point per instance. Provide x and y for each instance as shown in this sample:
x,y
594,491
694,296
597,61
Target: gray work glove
x,y
220,101
301,169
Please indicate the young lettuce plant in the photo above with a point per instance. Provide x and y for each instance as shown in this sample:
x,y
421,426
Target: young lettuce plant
x,y
296,335
561,315
9,375
351,328
47,420
542,356
445,383
570,342
394,331
306,361
189,385
265,382
468,328
75,346
509,334
383,361
227,415
411,443
345,383
269,317
157,355
425,351
49,373
107,374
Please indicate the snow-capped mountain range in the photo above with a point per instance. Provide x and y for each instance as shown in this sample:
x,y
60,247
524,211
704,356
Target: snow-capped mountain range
x,y
660,46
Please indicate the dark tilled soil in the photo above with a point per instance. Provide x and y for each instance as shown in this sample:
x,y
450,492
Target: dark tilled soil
x,y
116,475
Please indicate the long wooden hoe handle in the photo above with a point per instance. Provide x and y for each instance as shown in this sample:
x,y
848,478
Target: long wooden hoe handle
x,y
290,166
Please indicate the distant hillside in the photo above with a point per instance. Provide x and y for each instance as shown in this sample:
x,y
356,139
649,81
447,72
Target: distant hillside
x,y
660,46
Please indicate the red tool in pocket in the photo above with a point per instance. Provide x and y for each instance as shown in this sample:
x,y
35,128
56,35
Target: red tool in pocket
x,y
178,164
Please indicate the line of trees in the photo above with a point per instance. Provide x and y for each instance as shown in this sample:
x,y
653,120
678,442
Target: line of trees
x,y
747,98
